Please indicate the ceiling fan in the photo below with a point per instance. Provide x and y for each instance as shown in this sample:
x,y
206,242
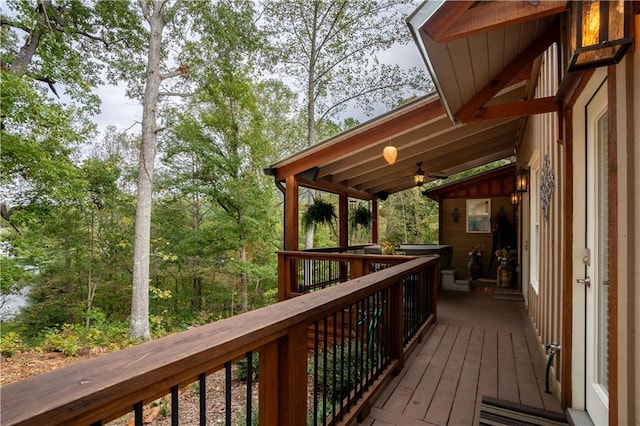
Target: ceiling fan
x,y
419,176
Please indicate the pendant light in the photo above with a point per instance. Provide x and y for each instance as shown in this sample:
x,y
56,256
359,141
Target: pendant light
x,y
419,175
390,153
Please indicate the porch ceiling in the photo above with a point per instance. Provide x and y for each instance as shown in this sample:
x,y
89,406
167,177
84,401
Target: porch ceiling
x,y
483,57
352,161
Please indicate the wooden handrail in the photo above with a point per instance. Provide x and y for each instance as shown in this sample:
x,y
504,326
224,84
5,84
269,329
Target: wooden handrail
x,y
107,387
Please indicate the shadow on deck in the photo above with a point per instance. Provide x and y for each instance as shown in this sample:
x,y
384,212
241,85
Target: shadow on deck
x,y
479,347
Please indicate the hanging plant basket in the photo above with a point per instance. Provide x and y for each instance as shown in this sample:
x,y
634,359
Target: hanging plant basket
x,y
318,213
361,216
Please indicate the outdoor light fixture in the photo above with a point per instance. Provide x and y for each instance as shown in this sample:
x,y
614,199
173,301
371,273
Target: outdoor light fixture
x,y
390,153
515,198
522,180
600,33
419,175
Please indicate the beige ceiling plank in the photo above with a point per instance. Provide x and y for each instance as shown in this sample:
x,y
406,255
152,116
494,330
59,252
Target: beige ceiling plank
x,y
403,185
449,12
504,77
420,150
374,152
454,160
499,14
321,155
325,185
517,109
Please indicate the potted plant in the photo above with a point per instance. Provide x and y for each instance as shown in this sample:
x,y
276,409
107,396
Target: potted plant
x,y
361,216
319,212
475,265
504,269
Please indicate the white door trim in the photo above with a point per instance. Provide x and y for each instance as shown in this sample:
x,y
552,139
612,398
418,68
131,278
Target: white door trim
x,y
578,359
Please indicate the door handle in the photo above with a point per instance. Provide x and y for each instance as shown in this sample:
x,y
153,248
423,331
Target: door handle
x,y
586,281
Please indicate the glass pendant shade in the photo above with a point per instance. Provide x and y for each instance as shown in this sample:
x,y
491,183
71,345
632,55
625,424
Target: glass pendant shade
x,y
600,33
390,153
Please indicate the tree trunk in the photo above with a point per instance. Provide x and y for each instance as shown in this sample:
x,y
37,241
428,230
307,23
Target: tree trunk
x,y
139,326
243,278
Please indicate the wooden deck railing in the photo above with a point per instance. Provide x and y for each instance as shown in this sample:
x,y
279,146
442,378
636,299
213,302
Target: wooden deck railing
x,y
360,330
301,272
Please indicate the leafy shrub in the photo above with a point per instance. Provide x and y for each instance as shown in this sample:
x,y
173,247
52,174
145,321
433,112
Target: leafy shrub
x,y
242,368
66,340
354,369
10,344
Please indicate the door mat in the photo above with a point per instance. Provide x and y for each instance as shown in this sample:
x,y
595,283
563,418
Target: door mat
x,y
500,412
518,297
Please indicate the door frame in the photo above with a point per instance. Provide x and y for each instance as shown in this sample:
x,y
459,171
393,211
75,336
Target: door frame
x,y
578,242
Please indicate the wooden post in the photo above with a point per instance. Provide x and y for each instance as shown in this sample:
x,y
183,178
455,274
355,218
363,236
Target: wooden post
x,y
343,217
291,214
397,325
374,222
268,385
285,277
292,377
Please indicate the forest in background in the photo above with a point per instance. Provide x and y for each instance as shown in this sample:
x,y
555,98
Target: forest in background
x,y
239,86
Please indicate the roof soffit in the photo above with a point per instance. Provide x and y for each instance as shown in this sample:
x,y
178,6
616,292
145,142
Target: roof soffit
x,y
466,55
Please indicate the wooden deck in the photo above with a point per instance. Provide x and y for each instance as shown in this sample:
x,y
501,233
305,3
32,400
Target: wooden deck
x,y
479,347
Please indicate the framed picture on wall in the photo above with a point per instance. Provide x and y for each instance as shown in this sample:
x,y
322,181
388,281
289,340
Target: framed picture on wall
x,y
479,215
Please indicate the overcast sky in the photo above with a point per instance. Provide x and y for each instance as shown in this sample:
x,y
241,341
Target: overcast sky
x,y
124,113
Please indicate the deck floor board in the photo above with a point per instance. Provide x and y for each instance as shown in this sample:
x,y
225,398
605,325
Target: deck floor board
x,y
479,347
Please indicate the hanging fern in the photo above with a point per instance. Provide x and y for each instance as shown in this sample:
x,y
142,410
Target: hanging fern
x,y
318,213
361,215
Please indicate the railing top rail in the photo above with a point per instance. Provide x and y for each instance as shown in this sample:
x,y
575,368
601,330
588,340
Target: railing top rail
x,y
346,256
89,390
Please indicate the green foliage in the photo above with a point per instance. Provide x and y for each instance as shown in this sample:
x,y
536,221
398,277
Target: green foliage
x,y
65,340
242,368
361,216
318,213
10,344
354,369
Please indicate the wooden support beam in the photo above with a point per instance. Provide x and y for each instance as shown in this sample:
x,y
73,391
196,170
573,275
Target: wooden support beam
x,y
522,61
343,218
516,109
447,14
492,15
374,222
402,122
291,214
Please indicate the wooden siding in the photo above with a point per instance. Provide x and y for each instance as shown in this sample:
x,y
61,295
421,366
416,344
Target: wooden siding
x,y
496,185
541,142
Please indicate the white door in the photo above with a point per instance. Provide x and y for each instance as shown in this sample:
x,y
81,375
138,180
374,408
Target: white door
x,y
595,258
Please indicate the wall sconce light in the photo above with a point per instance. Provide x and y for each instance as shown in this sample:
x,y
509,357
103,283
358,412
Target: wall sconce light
x,y
419,175
600,33
455,214
390,153
522,180
516,197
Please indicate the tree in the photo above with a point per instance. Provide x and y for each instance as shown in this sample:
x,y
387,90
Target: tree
x,y
51,58
220,145
330,49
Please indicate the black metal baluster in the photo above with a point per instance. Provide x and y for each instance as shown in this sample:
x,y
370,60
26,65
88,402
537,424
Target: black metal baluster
x,y
137,413
315,372
342,383
174,405
356,359
324,371
202,382
249,386
349,352
334,393
227,392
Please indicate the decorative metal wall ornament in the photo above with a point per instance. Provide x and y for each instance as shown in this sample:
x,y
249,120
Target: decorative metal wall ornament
x,y
546,185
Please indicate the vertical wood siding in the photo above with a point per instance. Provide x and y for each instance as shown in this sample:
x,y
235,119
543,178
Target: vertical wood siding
x,y
541,140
